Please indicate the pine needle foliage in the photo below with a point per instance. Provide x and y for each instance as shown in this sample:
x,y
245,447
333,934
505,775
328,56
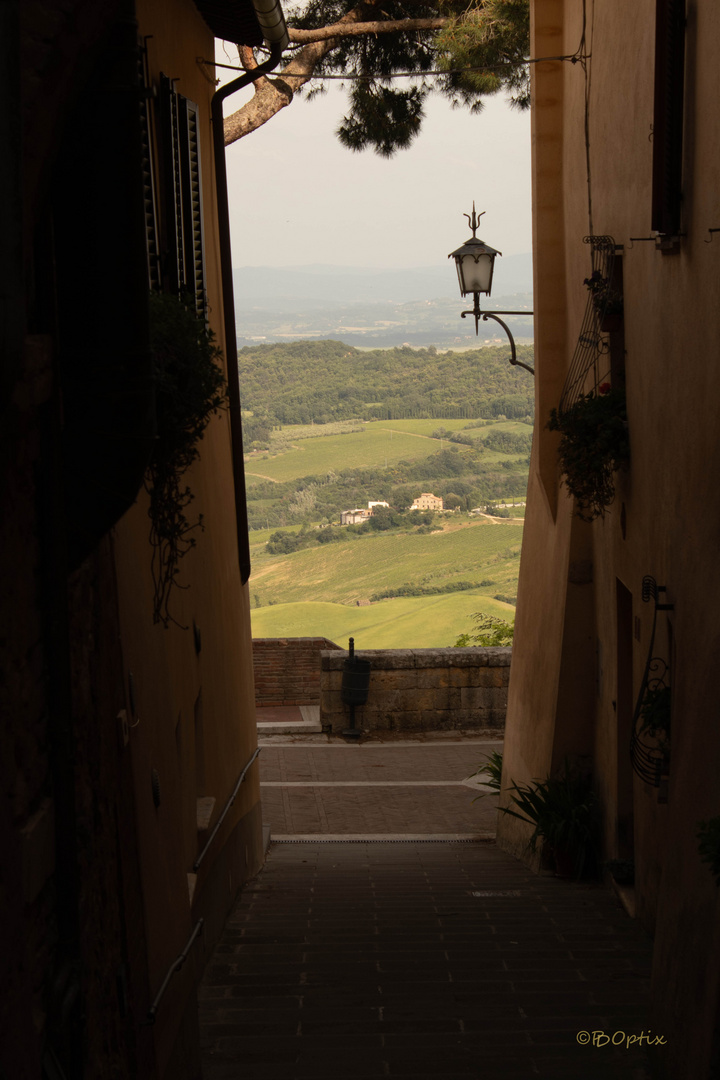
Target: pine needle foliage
x,y
189,388
482,49
485,49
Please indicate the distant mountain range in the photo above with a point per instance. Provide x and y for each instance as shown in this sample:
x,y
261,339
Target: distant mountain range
x,y
343,284
379,308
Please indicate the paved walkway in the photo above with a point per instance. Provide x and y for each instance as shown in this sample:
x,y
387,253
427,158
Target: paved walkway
x,y
404,958
376,788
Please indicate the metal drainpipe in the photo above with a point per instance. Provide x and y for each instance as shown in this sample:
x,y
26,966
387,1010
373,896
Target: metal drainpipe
x,y
221,188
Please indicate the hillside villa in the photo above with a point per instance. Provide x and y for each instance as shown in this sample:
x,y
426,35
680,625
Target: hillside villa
x,y
427,501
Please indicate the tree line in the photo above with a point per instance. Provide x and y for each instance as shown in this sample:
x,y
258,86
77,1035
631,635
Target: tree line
x,y
323,381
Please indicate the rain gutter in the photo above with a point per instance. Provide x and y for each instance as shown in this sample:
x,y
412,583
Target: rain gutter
x,y
272,21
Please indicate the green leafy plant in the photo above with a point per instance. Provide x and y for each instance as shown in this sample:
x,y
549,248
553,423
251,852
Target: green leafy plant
x,y
490,632
606,300
189,388
593,446
708,835
491,769
655,715
564,811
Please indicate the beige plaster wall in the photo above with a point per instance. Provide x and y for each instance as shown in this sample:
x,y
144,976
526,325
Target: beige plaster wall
x,y
194,721
576,635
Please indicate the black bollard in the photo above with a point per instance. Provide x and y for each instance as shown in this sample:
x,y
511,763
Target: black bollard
x,y
355,687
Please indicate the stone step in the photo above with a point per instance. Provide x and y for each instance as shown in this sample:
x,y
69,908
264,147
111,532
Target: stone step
x,y
289,720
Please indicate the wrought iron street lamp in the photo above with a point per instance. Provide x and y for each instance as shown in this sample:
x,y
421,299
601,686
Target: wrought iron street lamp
x,y
475,262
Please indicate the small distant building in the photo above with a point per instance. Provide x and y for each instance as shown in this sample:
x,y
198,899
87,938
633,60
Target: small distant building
x,y
353,517
427,501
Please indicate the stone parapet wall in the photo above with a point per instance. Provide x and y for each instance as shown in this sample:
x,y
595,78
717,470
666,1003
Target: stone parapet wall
x,y
421,690
287,670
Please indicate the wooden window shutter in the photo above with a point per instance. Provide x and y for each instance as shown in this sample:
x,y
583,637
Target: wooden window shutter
x,y
183,248
191,193
668,116
148,150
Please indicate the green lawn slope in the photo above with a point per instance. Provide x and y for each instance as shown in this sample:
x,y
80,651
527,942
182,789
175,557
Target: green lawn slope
x,y
356,569
402,623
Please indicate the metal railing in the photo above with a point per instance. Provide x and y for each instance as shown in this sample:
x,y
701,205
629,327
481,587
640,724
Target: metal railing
x,y
174,967
222,817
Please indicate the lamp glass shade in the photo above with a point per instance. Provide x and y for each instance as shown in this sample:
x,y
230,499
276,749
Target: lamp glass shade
x,y
475,261
475,273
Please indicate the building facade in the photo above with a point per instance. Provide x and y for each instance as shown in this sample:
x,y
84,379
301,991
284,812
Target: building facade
x,y
130,807
427,501
626,208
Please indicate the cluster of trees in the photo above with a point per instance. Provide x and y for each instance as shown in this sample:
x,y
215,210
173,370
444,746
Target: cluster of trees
x,y
489,631
284,543
323,381
428,590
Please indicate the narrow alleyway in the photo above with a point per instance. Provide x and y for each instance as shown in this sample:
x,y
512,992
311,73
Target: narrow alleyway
x,y
383,956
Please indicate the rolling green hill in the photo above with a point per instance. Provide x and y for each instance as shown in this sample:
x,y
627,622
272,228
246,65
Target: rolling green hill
x,y
475,551
404,623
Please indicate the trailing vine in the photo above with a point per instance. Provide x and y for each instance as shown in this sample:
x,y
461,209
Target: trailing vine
x,y
594,444
189,388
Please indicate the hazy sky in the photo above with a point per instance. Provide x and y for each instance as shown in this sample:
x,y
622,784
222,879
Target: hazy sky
x,y
298,197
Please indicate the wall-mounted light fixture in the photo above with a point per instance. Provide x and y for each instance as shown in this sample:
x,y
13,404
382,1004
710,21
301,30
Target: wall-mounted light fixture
x,y
475,262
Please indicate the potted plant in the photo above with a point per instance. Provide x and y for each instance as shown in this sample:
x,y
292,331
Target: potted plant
x,y
593,446
491,769
608,302
564,811
655,716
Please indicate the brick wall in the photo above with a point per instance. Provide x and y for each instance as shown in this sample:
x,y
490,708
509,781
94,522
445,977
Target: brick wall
x,y
421,690
287,670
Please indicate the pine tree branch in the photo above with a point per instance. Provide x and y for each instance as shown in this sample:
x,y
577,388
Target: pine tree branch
x,y
273,95
379,26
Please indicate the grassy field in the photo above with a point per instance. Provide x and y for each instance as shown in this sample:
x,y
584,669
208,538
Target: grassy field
x,y
319,589
403,623
346,572
380,443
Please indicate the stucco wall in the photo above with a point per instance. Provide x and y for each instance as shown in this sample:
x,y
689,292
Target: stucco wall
x,y
582,632
421,690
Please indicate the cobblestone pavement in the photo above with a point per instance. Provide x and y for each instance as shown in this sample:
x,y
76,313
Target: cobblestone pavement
x,y
401,788
442,960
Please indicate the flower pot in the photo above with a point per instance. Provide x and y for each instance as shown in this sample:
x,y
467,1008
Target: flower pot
x,y
611,322
564,862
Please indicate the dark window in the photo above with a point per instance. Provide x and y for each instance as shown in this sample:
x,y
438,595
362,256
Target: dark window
x,y
668,116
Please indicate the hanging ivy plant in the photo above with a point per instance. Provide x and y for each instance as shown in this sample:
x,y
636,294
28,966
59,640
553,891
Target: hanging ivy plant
x,y
189,388
594,445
